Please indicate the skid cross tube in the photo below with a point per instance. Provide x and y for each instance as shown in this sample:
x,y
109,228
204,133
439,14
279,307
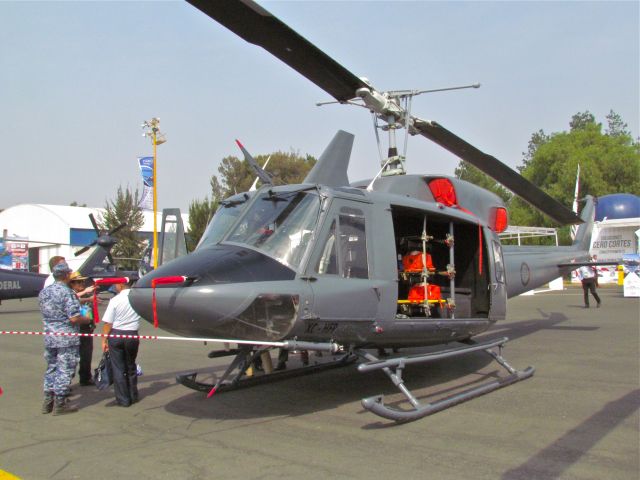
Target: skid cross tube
x,y
394,367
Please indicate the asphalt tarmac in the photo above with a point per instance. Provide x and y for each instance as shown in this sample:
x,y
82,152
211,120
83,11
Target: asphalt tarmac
x,y
576,418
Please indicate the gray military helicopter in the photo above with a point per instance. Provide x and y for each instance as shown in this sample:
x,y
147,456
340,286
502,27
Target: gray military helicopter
x,y
347,268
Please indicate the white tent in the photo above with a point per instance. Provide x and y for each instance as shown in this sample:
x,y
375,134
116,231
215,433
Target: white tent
x,y
51,230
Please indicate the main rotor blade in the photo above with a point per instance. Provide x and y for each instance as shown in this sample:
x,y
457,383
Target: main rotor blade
x,y
256,25
498,171
117,229
94,223
84,249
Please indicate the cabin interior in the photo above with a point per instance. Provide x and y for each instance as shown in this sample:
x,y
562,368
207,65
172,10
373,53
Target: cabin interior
x,y
425,288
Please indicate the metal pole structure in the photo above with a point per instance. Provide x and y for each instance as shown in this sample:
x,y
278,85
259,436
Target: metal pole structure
x,y
157,138
155,199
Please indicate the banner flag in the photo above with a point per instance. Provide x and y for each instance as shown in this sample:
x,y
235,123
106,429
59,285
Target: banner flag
x,y
146,170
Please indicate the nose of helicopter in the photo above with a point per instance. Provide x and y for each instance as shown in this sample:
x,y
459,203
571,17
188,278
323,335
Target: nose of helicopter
x,y
230,292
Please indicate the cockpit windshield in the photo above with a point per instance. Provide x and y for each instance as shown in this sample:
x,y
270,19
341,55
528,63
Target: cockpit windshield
x,y
224,217
279,224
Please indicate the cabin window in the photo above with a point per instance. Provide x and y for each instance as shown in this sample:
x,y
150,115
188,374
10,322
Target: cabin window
x,y
497,255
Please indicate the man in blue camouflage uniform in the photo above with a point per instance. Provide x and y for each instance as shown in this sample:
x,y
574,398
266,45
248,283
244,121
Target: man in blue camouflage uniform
x,y
60,314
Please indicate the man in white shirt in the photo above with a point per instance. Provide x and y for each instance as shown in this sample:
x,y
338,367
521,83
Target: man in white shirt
x,y
589,278
121,319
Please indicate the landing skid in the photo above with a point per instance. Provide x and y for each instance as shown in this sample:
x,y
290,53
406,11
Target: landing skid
x,y
393,369
242,381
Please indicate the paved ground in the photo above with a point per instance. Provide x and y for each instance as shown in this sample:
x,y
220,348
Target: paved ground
x,y
577,418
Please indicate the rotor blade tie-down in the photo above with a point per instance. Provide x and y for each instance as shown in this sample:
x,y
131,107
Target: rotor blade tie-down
x,y
176,279
104,281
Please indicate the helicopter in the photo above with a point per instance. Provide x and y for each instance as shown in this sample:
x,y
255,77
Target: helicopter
x,y
17,284
346,268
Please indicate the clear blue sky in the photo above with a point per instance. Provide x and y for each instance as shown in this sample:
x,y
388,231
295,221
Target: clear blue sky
x,y
78,78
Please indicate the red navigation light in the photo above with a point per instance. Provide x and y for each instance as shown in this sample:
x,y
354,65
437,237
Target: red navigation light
x,y
501,220
443,191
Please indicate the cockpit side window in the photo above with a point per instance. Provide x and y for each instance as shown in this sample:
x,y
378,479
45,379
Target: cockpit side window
x,y
328,261
224,218
353,244
344,252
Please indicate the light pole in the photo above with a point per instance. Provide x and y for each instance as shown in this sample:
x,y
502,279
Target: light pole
x,y
157,138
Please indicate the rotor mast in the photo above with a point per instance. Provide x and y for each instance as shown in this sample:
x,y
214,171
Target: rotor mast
x,y
394,108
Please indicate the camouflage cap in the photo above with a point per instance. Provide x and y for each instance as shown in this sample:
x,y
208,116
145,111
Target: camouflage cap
x,y
61,270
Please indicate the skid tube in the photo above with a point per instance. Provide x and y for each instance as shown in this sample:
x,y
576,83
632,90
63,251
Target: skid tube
x,y
376,404
245,357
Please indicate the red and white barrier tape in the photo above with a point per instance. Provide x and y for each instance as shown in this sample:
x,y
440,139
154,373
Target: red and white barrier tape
x,y
146,337
140,337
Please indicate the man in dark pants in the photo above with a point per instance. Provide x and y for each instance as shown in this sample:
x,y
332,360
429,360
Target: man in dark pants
x,y
77,283
589,278
121,319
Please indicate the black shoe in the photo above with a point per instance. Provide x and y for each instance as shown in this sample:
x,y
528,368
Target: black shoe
x,y
87,383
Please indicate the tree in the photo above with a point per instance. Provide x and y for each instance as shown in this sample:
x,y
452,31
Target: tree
x,y
537,139
236,176
125,209
200,212
615,126
76,204
466,171
608,164
582,121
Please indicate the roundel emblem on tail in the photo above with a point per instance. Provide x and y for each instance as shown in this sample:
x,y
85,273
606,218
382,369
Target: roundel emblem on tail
x,y
525,273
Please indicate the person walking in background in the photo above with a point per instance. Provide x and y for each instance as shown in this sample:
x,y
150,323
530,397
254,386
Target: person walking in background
x,y
60,315
121,319
589,277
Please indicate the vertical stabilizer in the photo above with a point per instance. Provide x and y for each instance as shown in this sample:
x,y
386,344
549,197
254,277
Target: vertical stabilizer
x,y
582,239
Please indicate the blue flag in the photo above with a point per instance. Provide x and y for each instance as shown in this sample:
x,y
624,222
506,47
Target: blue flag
x,y
146,170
